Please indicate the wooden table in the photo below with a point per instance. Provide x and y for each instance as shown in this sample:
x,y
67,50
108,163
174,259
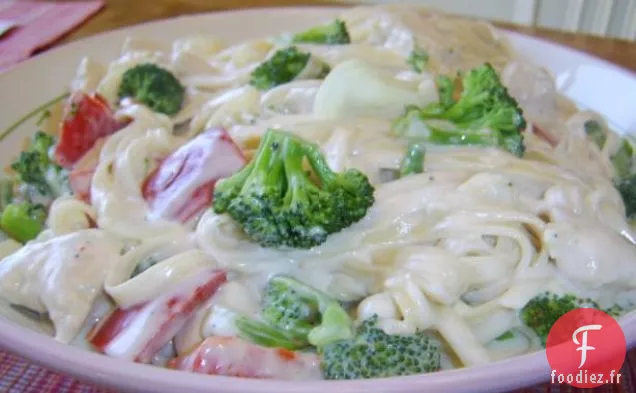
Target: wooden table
x,y
120,13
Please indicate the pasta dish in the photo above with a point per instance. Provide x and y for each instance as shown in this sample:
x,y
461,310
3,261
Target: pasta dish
x,y
393,192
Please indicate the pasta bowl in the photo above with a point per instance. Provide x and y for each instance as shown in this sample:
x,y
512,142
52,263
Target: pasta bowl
x,y
588,81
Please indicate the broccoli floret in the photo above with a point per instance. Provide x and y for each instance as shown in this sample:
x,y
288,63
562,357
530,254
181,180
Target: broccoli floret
x,y
42,143
445,89
627,188
625,177
615,311
286,65
6,197
304,311
153,86
35,168
413,161
335,325
23,221
6,193
296,315
622,159
277,203
418,60
543,310
334,33
485,115
374,354
595,132
291,305
267,335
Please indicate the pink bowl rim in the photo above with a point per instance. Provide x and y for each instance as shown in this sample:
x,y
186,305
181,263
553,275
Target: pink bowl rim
x,y
114,373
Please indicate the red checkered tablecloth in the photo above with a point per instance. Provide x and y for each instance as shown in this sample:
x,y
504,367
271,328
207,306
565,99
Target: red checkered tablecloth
x,y
19,376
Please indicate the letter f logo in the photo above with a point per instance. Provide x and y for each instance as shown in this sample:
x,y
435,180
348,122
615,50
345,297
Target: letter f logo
x,y
583,344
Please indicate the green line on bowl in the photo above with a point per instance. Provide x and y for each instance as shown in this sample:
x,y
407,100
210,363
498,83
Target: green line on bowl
x,y
29,115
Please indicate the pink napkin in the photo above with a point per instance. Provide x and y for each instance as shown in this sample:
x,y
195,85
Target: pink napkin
x,y
37,24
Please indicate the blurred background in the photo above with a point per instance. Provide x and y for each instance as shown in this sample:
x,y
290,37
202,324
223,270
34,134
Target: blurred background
x,y
606,28
608,18
612,18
